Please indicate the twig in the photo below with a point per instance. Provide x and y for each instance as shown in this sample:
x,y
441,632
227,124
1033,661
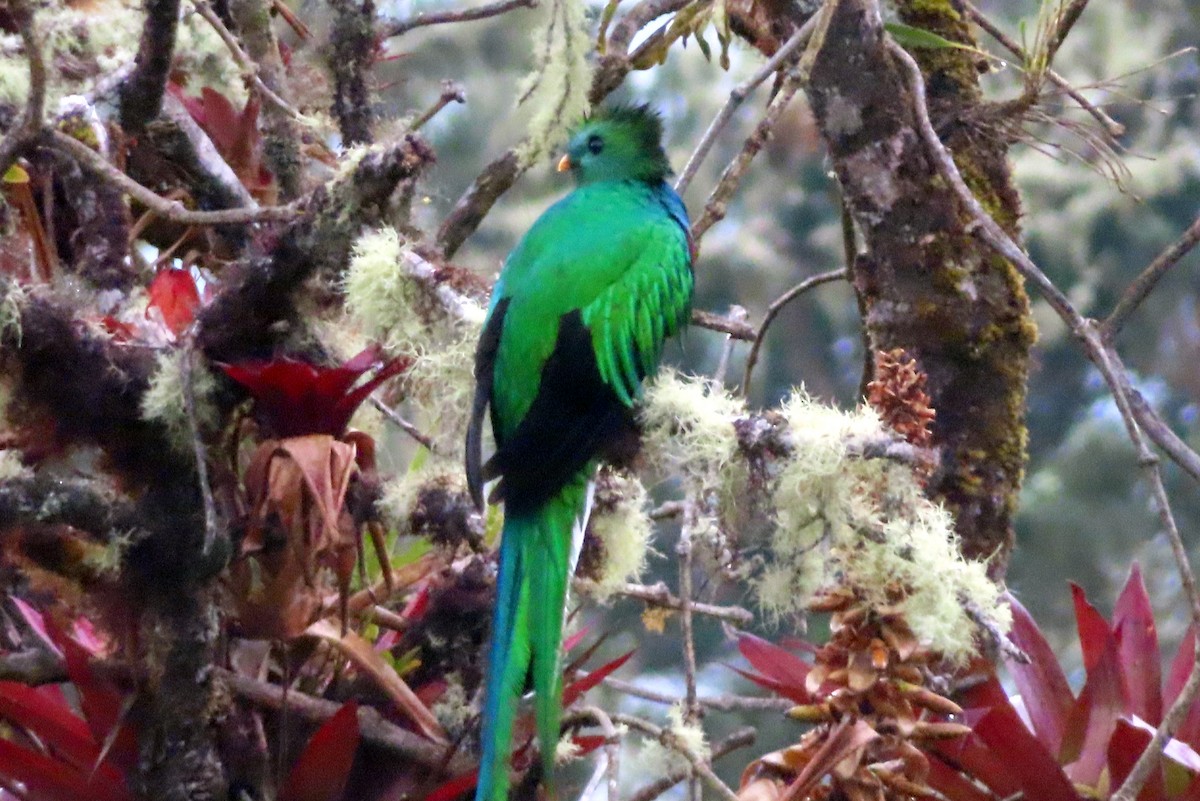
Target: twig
x,y
718,200
699,765
738,329
1066,21
721,703
30,123
405,426
452,92
1113,128
987,623
612,748
739,739
1161,435
776,307
1144,284
738,96
425,272
167,209
659,595
424,19
249,68
1115,376
211,524
373,727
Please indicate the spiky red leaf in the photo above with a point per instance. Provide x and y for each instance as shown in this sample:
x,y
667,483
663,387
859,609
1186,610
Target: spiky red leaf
x,y
1102,700
51,720
43,778
1137,649
296,398
777,665
1124,747
321,772
1029,762
103,707
1041,683
952,784
1181,666
452,789
577,688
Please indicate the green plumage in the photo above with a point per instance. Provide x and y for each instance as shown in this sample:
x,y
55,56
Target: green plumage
x,y
577,321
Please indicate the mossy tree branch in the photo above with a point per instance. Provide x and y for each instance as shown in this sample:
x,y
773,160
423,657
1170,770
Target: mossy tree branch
x,y
927,285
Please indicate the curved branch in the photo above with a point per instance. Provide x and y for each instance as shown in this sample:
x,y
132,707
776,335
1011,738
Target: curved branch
x,y
776,307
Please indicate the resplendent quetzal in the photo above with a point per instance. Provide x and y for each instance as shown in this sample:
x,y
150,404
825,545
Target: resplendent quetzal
x,y
576,322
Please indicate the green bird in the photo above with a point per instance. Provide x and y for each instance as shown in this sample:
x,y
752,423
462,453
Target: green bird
x,y
577,321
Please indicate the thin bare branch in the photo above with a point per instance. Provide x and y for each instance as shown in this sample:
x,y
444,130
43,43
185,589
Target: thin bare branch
x,y
612,749
1161,435
659,595
783,56
30,124
731,177
452,92
249,68
1144,284
168,209
405,426
721,703
427,18
776,307
738,329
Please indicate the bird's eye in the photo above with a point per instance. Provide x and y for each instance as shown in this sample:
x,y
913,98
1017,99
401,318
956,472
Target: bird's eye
x,y
595,144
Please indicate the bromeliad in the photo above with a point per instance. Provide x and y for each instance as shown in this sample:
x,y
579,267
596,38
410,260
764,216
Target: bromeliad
x,y
577,321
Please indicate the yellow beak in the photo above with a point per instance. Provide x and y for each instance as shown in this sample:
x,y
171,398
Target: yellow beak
x,y
564,164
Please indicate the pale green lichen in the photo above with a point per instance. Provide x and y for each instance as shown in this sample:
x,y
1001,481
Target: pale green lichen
x,y
689,735
566,749
406,315
866,524
557,88
625,532
453,708
11,465
163,402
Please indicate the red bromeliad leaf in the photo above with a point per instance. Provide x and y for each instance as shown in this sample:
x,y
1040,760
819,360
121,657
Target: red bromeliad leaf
x,y
295,398
1028,762
51,720
43,778
575,689
1124,748
952,784
173,292
1137,649
779,670
103,707
1041,683
323,768
1102,701
1181,666
455,787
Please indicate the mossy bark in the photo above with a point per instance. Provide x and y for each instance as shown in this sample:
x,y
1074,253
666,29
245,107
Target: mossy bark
x,y
925,283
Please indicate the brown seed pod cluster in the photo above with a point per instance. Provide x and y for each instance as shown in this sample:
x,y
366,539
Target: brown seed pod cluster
x,y
898,394
872,713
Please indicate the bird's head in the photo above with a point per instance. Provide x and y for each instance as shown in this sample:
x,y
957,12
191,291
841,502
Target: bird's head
x,y
617,144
